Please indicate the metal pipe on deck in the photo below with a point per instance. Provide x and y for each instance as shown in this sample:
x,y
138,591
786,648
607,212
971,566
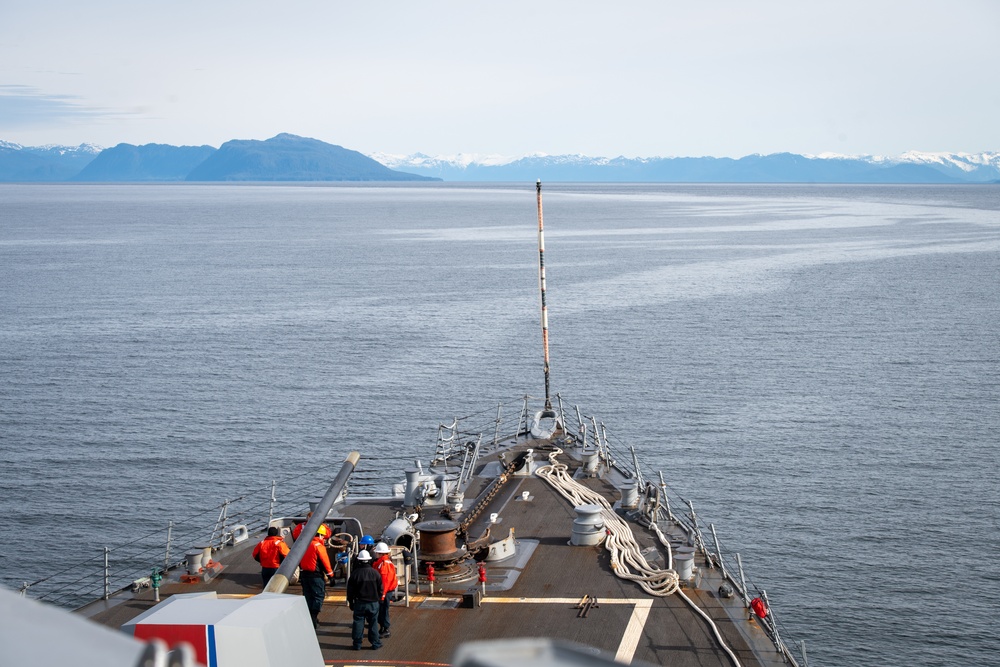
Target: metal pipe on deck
x,y
279,582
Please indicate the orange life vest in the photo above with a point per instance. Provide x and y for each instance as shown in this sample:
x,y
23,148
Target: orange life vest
x,y
316,559
270,551
388,571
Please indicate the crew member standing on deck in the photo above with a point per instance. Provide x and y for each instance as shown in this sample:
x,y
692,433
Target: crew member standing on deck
x,y
323,530
269,552
383,563
364,592
314,568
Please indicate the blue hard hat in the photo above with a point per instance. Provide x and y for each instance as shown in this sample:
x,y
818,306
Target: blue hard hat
x,y
367,539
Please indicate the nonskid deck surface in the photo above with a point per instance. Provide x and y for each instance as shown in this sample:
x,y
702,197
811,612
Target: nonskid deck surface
x,y
535,594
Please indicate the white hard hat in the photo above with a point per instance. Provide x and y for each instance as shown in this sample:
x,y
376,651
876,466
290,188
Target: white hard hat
x,y
381,548
364,556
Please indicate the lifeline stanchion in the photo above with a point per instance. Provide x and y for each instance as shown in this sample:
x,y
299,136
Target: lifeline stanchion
x,y
107,574
166,556
718,551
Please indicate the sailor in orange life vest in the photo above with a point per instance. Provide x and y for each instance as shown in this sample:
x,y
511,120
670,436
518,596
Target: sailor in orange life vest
x,y
364,591
314,568
269,552
323,531
383,563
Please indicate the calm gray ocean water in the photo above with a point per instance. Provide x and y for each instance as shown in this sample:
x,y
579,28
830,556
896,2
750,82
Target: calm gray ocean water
x,y
817,367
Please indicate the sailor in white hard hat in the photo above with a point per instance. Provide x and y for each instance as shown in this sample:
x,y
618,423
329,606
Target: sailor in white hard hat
x,y
383,563
364,592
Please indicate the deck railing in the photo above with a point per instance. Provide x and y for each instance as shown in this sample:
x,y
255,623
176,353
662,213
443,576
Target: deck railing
x,y
129,566
624,459
593,433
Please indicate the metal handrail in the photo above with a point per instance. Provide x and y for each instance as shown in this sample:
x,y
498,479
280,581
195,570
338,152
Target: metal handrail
x,y
114,569
119,568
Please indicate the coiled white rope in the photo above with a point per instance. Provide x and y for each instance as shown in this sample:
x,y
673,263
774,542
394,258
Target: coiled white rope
x,y
627,561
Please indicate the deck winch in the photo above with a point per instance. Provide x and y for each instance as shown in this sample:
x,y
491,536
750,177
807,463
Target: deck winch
x,y
437,541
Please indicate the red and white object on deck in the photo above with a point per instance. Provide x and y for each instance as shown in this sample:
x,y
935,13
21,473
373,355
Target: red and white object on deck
x,y
265,630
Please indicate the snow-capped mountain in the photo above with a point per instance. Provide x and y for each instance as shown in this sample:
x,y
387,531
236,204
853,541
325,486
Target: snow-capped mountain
x,y
461,160
63,163
910,167
971,164
44,163
54,149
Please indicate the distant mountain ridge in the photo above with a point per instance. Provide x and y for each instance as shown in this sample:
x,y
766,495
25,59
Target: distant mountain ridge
x,y
283,158
43,163
288,158
151,162
911,167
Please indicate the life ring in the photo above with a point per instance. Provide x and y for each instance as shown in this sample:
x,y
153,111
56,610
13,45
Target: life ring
x,y
340,541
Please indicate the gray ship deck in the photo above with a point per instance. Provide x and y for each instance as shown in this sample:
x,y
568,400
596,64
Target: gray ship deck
x,y
535,595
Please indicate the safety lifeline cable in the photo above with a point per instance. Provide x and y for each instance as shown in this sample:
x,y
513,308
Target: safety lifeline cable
x,y
626,554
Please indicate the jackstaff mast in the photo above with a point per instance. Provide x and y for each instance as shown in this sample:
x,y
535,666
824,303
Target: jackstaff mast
x,y
541,287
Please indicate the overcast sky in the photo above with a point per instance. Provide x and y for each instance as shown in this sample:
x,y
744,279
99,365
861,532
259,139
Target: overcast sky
x,y
634,78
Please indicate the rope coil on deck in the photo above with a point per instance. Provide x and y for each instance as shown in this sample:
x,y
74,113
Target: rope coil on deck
x,y
627,560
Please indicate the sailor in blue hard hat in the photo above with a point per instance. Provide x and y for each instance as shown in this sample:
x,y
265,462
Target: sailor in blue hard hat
x,y
366,544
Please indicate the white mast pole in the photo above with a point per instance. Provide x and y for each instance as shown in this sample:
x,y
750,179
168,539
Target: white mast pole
x,y
541,287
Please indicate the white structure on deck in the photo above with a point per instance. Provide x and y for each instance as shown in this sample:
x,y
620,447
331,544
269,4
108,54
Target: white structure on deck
x,y
260,631
33,634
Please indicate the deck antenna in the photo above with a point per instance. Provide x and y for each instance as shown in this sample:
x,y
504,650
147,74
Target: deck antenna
x,y
541,287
